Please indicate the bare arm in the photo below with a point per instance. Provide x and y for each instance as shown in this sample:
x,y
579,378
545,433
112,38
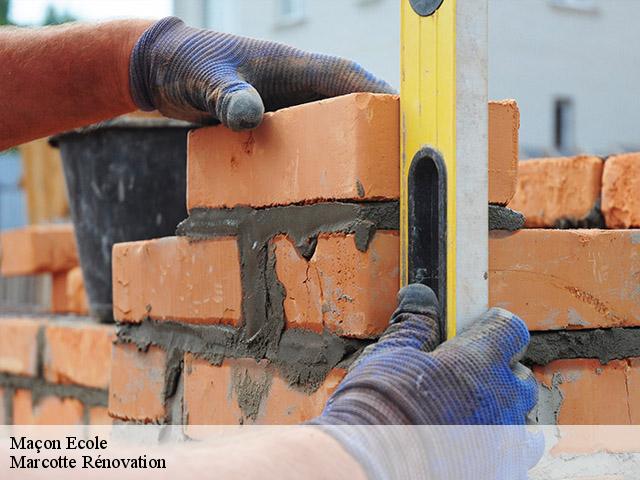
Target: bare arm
x,y
286,453
56,78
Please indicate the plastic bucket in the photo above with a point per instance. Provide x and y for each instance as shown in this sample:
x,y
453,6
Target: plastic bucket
x,y
126,181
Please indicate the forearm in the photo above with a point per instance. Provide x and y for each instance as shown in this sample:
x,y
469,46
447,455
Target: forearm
x,y
283,453
56,78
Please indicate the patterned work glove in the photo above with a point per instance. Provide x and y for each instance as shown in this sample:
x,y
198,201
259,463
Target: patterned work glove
x,y
406,378
202,76
410,408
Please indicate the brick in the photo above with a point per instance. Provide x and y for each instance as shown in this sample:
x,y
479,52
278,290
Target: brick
x,y
342,289
76,295
286,405
49,410
504,124
67,292
38,249
592,393
78,353
19,346
592,439
174,279
557,279
59,303
343,148
99,416
137,383
620,187
551,189
211,395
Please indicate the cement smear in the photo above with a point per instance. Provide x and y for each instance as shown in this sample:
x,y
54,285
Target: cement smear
x,y
594,219
503,218
91,397
304,358
603,344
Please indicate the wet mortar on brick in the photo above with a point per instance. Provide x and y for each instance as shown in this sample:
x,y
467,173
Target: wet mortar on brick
x,y
304,358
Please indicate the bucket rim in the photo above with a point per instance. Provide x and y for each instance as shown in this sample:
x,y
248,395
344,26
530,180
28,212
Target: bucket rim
x,y
123,122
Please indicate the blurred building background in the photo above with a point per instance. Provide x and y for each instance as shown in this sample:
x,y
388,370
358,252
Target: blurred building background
x,y
572,65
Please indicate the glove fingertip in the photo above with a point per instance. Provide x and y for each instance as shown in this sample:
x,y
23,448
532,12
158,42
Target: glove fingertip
x,y
416,298
243,110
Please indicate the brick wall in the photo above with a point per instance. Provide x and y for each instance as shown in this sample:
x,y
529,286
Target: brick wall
x,y
574,275
288,265
47,250
54,367
285,268
54,370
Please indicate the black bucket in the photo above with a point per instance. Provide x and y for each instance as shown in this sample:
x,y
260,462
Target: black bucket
x,y
126,181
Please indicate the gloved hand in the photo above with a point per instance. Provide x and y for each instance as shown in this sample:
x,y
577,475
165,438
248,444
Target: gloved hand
x,y
410,408
201,75
406,378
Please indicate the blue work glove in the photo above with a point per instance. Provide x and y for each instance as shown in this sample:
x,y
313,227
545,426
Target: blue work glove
x,y
411,408
406,378
203,76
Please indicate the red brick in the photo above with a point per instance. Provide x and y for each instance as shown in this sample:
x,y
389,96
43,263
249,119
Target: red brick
x,y
78,353
38,249
137,383
19,346
590,439
344,148
342,289
76,295
99,416
174,279
592,393
59,303
620,187
211,393
550,189
67,292
557,279
504,123
49,410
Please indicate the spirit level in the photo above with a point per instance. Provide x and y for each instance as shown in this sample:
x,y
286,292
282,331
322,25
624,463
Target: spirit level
x,y
444,157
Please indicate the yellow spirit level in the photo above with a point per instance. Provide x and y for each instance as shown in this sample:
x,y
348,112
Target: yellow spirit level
x,y
444,180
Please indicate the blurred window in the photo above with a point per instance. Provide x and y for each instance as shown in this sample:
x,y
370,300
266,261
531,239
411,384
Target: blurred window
x,y
577,5
290,12
564,125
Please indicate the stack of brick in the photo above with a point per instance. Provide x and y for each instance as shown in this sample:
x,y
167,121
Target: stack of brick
x,y
581,191
287,265
578,288
54,367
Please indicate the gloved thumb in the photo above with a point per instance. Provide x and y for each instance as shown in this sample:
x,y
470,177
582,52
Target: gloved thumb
x,y
415,299
238,106
414,324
